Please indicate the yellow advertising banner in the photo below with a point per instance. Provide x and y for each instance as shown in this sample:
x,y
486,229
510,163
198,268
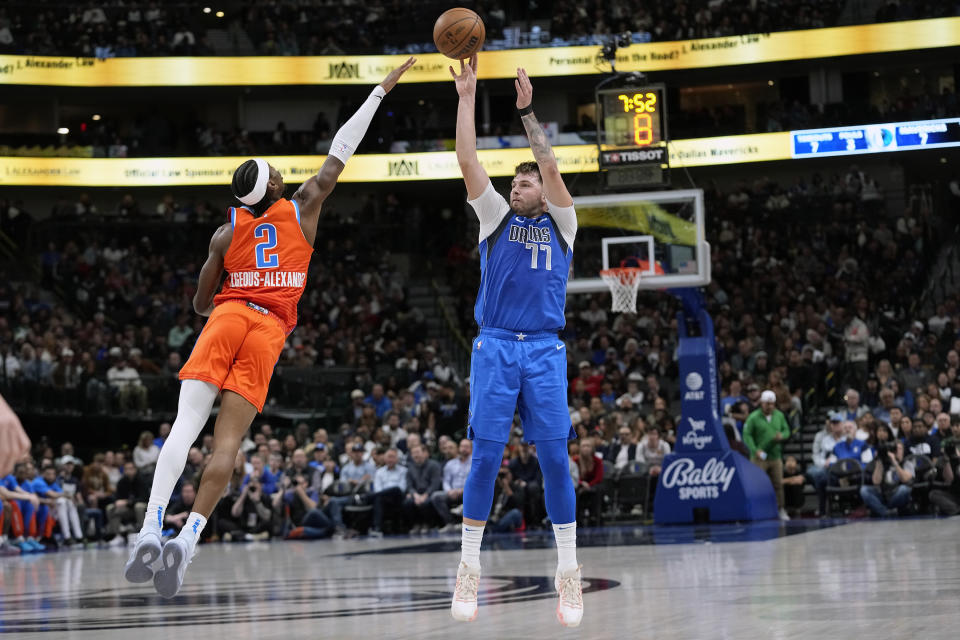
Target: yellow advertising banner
x,y
645,217
389,167
547,61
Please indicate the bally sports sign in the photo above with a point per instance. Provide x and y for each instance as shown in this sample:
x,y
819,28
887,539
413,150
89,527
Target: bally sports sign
x,y
698,483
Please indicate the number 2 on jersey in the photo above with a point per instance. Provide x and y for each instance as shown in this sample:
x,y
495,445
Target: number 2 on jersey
x,y
535,248
267,234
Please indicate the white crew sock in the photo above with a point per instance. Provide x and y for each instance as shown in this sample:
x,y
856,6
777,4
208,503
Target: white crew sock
x,y
566,535
193,527
470,538
193,409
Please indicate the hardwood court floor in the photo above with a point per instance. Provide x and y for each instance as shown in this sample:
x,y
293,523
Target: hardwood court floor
x,y
868,579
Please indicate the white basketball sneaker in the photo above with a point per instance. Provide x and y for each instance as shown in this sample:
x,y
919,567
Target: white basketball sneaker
x,y
464,605
177,554
570,594
145,552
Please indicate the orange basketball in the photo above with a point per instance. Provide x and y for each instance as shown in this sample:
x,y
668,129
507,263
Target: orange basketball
x,y
459,33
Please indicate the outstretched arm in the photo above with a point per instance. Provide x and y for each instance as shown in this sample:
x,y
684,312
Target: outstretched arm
x,y
212,270
473,172
313,192
553,187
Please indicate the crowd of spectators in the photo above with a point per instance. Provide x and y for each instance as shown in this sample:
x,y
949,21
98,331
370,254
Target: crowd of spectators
x,y
108,322
321,27
808,308
103,29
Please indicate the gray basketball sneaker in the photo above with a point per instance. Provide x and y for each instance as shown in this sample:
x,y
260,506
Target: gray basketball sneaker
x,y
177,554
145,552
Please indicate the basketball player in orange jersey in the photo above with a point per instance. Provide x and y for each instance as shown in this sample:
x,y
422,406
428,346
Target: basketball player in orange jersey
x,y
265,249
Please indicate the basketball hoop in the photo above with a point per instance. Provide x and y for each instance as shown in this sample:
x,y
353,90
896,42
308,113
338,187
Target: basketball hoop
x,y
624,283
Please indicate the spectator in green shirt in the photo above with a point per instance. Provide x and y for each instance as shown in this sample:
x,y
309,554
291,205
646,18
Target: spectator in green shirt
x,y
763,432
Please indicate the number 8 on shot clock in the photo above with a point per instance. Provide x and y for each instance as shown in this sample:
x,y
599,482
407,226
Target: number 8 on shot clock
x,y
632,136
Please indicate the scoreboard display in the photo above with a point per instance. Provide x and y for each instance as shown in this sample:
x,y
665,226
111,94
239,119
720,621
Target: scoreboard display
x,y
632,135
875,138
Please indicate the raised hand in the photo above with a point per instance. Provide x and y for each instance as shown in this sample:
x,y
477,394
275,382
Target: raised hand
x,y
467,80
391,80
524,89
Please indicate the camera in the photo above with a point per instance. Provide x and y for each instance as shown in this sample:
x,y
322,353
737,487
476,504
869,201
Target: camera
x,y
883,448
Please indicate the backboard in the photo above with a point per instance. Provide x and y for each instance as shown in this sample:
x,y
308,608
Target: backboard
x,y
669,225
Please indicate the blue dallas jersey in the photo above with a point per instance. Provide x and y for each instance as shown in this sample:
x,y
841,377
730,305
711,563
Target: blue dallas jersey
x,y
524,264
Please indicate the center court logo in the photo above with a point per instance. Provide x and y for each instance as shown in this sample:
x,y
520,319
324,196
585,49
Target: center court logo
x,y
694,386
696,483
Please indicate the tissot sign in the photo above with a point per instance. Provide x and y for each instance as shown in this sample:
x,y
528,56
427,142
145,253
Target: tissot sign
x,y
703,472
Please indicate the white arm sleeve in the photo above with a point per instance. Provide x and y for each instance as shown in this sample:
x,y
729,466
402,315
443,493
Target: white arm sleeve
x,y
490,208
566,219
351,133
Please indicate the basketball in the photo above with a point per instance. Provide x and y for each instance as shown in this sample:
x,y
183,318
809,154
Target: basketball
x,y
459,33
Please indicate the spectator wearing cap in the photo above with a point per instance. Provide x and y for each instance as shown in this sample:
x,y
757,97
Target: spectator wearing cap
x,y
379,401
592,382
357,474
822,455
763,433
753,398
634,379
355,410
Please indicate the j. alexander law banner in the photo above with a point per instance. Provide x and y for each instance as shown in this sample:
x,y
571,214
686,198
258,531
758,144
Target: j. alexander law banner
x,y
392,167
559,61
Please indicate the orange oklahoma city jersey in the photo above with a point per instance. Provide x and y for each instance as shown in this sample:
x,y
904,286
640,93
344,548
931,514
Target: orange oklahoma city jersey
x,y
267,260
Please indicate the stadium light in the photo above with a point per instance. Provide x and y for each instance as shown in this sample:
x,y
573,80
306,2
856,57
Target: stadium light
x,y
219,14
206,9
63,131
95,116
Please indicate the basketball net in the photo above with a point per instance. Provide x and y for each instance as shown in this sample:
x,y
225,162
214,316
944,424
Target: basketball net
x,y
624,283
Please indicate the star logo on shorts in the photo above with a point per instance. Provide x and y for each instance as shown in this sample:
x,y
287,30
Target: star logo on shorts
x,y
521,336
479,342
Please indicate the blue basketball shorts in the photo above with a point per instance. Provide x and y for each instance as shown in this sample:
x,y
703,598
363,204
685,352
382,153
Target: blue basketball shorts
x,y
515,370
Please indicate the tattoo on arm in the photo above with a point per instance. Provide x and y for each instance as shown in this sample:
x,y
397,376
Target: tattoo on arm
x,y
542,152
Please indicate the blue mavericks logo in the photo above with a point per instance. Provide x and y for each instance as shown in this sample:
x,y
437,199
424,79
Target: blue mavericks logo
x,y
196,525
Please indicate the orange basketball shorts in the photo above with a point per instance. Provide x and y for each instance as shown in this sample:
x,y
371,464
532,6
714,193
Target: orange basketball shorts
x,y
237,351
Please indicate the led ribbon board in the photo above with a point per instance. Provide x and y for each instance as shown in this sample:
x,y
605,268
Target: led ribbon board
x,y
807,44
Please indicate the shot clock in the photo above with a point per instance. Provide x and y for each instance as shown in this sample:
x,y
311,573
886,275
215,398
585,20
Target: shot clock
x,y
631,135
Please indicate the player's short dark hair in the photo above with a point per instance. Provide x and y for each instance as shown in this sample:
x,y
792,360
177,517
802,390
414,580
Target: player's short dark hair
x,y
244,180
526,167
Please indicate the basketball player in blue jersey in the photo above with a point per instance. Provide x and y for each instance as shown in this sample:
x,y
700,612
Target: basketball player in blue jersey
x,y
526,246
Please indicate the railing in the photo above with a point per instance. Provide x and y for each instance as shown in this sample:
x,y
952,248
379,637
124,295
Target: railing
x,y
460,354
